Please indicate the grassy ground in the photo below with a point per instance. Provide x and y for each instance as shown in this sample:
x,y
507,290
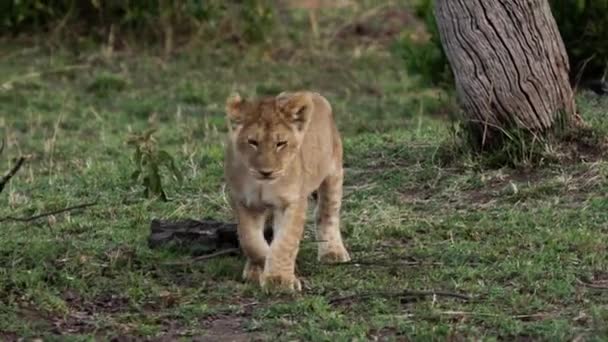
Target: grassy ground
x,y
529,248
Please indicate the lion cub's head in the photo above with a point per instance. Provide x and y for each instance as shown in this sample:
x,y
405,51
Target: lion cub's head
x,y
267,133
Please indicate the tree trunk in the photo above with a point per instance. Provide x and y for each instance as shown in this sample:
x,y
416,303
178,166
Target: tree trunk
x,y
509,62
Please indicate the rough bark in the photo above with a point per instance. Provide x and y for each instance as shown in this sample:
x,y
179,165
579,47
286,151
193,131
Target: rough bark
x,y
509,62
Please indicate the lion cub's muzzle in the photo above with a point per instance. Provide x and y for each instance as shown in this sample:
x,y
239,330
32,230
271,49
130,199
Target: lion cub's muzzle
x,y
266,174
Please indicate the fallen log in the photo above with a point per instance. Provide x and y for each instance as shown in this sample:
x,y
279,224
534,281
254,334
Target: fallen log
x,y
201,237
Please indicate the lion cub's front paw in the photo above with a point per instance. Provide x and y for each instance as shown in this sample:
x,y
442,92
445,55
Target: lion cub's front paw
x,y
280,283
334,255
252,272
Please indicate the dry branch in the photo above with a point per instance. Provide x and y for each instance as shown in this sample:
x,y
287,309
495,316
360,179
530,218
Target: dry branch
x,y
54,212
383,263
591,285
7,177
222,252
524,317
401,294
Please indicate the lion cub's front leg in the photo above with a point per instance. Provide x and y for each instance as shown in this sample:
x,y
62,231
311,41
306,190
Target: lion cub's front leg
x,y
251,238
279,269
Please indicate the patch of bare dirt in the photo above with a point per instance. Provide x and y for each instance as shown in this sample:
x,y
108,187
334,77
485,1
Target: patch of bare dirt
x,y
225,326
501,185
229,328
81,318
582,144
381,26
386,334
478,197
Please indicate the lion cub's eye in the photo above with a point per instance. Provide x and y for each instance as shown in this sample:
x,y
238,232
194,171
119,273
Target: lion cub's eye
x,y
252,142
281,144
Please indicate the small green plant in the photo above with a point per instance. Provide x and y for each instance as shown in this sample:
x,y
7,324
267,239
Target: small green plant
x,y
258,19
106,83
149,160
425,57
520,148
151,21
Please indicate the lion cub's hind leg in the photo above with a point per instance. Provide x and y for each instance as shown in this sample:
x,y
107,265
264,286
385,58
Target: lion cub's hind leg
x,y
331,247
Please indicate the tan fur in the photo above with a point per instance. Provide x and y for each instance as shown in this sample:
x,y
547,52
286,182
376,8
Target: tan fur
x,y
279,150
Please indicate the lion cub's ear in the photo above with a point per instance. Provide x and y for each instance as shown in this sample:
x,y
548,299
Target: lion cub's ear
x,y
297,108
234,110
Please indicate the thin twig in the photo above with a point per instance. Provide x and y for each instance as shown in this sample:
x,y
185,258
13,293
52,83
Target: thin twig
x,y
54,212
11,172
579,75
525,317
403,293
382,263
229,251
592,286
485,314
8,84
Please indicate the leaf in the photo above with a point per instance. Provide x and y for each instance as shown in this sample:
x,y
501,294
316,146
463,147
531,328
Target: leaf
x,y
164,157
156,186
145,160
168,160
135,175
146,184
154,179
133,140
137,157
147,135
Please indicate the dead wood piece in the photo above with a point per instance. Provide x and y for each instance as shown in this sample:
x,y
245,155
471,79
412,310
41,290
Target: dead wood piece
x,y
208,235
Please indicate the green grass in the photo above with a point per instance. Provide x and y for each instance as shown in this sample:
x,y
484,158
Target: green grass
x,y
521,244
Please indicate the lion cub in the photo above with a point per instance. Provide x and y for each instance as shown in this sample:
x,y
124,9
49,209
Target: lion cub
x,y
279,150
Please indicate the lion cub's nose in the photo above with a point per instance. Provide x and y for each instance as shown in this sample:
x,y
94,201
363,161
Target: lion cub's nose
x,y
265,173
